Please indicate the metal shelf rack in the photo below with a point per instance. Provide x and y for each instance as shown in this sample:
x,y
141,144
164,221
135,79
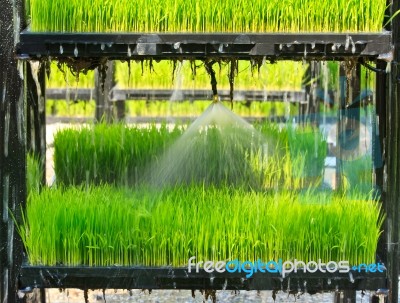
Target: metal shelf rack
x,y
88,51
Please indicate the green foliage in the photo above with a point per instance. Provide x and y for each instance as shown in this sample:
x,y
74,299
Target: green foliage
x,y
105,226
297,159
207,16
282,75
34,173
117,154
61,76
357,174
104,153
151,109
63,108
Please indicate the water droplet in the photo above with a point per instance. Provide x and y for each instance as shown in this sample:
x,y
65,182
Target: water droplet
x,y
21,294
280,46
225,284
129,51
20,120
221,48
20,68
346,47
76,51
313,45
109,44
212,280
102,46
6,132
87,178
6,186
3,98
174,284
329,281
334,47
351,277
10,239
177,45
61,49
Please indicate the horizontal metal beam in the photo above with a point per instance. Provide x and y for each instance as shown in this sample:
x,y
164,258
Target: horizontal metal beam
x,y
176,95
180,278
271,46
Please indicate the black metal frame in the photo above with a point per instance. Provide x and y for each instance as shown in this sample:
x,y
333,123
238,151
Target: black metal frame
x,y
85,94
180,278
128,46
96,49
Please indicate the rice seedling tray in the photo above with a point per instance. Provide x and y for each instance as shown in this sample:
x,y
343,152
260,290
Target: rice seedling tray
x,y
270,46
84,277
177,95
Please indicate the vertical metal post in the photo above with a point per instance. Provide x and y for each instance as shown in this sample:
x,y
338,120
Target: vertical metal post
x,y
380,127
35,87
12,149
104,82
120,107
379,142
348,125
340,126
309,110
348,136
392,163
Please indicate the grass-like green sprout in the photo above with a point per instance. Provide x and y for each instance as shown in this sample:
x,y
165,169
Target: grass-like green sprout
x,y
102,226
207,16
264,157
283,75
34,173
102,153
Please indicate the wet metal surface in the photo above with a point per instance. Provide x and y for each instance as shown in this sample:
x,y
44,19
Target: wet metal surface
x,y
166,46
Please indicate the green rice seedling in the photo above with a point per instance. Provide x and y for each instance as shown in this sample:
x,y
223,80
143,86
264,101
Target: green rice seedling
x,y
176,109
34,173
107,226
108,153
213,150
152,75
209,16
297,160
61,76
282,75
218,148
357,174
313,149
76,108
